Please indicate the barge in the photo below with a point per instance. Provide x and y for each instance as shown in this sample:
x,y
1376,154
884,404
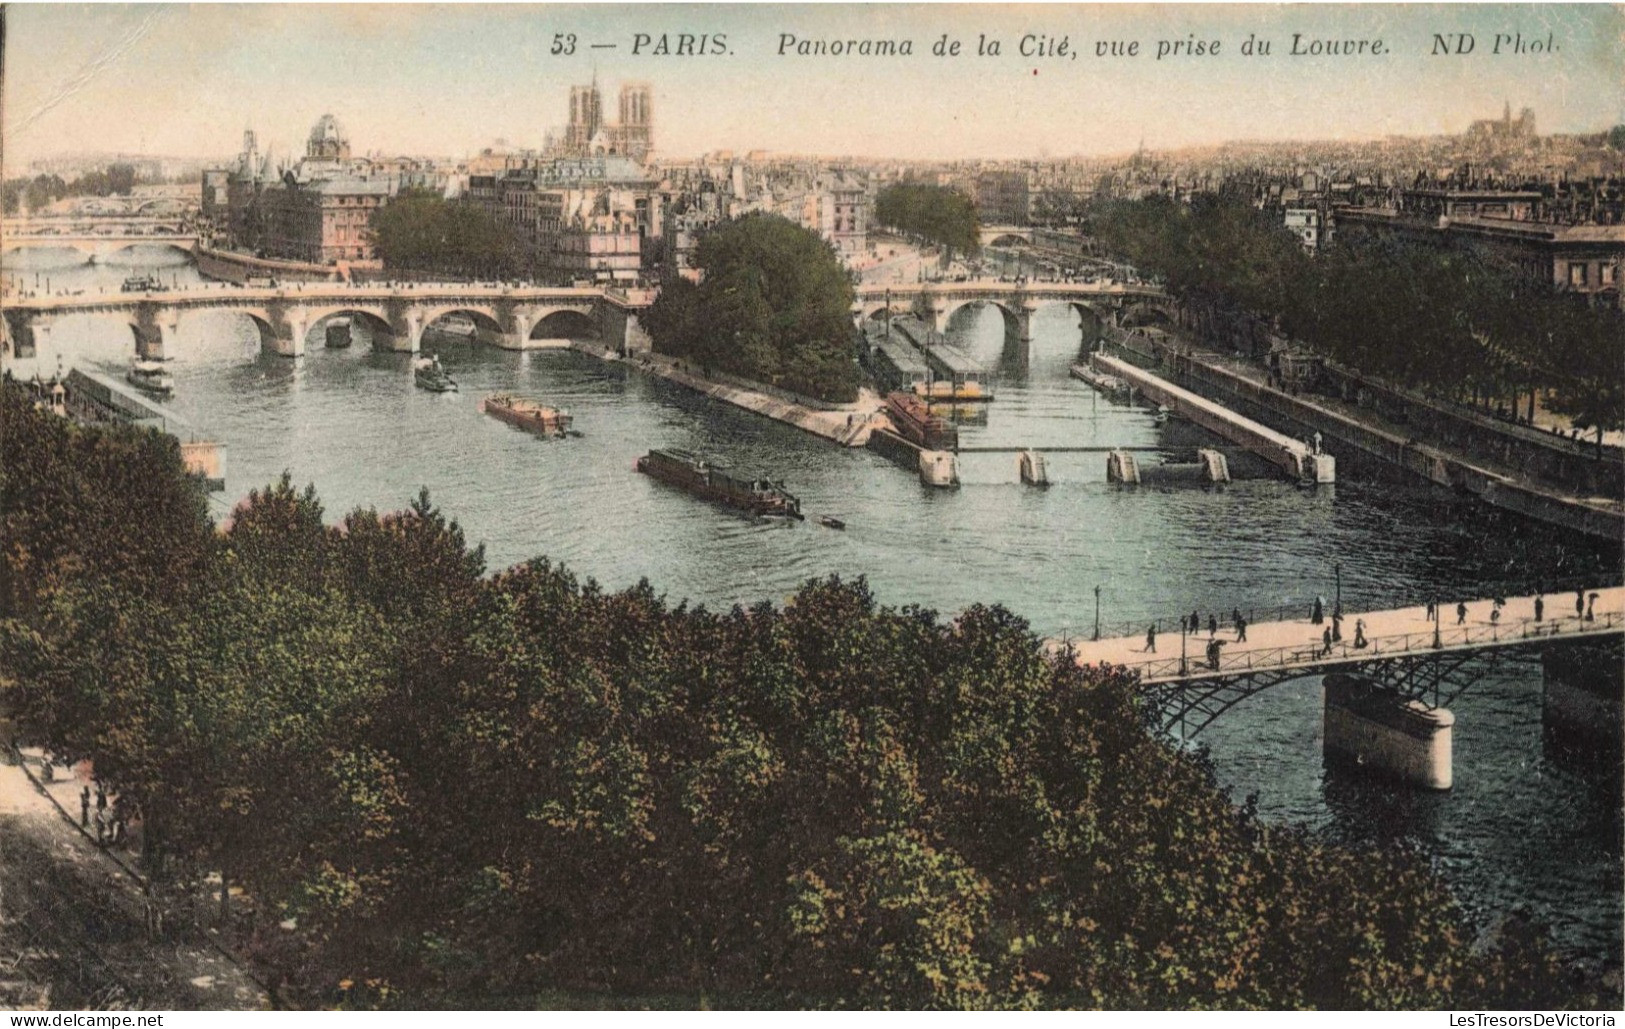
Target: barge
x,y
686,471
527,414
914,422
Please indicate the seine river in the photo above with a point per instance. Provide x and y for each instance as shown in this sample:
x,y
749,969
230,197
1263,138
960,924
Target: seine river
x,y
1524,827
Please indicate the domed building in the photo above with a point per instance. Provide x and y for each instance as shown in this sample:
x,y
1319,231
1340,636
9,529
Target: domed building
x,y
328,141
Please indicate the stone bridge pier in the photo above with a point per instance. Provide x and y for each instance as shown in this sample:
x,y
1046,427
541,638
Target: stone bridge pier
x,y
155,334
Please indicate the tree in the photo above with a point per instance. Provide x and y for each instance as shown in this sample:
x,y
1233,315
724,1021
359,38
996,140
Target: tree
x,y
774,305
419,230
937,214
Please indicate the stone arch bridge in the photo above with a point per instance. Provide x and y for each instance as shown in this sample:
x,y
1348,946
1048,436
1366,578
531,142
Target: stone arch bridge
x,y
397,315
1113,303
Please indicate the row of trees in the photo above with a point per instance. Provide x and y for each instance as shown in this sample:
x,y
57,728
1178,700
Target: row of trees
x,y
421,231
463,787
774,305
1452,321
41,190
936,214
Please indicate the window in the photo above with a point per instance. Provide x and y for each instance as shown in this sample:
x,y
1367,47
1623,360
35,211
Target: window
x,y
1577,274
1606,276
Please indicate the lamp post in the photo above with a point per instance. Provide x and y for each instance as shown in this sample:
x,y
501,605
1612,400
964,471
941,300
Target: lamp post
x,y
1097,613
1337,570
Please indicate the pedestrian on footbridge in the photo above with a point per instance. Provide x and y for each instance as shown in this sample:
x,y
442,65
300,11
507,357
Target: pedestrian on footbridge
x,y
1151,639
1540,608
1579,602
1212,626
1326,642
1461,614
1241,629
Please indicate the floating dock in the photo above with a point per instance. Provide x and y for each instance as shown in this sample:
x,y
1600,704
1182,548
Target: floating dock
x,y
1292,456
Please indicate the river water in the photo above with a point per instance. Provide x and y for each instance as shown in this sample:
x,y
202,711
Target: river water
x,y
1526,826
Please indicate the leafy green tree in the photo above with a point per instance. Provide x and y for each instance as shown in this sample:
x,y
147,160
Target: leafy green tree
x,y
418,230
937,214
774,305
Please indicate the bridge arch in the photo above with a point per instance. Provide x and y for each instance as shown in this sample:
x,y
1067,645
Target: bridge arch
x,y
562,323
487,325
1148,312
1012,316
375,319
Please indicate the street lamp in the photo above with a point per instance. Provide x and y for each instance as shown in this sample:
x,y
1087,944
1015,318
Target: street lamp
x,y
1337,570
1097,613
1182,646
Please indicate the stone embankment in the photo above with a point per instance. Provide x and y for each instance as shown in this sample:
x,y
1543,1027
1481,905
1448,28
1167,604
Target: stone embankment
x,y
846,424
1244,386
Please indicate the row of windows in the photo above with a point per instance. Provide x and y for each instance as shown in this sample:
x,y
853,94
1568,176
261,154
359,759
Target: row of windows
x,y
1580,274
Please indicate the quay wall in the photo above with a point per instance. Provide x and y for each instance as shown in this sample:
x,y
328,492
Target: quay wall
x,y
239,268
848,427
1403,452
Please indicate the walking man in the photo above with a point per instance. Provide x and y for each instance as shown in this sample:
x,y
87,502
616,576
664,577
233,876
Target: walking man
x,y
1433,610
1241,629
1461,614
1151,639
1579,603
1591,609
1540,607
1326,642
1212,626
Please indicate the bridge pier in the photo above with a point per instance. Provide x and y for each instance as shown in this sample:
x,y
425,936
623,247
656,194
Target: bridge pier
x,y
288,337
1385,733
155,337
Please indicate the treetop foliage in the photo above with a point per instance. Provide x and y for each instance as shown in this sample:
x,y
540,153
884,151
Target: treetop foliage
x,y
465,786
419,230
774,306
939,214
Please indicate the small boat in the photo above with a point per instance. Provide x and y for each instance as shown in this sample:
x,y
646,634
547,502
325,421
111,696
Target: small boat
x,y
1161,416
1110,385
338,334
831,522
760,496
430,376
460,325
939,468
151,377
527,414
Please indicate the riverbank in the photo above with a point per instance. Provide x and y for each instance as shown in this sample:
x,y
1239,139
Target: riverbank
x,y
848,424
1244,386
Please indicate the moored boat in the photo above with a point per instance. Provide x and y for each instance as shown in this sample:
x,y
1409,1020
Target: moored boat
x,y
914,422
527,414
428,374
687,471
142,284
1110,385
338,334
151,377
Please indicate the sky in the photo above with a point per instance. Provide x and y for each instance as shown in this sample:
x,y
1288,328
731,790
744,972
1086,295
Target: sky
x,y
447,80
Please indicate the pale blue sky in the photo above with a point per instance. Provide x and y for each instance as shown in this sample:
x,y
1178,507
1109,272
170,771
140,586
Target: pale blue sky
x,y
449,79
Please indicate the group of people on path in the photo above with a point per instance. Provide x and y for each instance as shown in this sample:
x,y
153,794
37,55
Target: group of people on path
x,y
1192,624
1585,608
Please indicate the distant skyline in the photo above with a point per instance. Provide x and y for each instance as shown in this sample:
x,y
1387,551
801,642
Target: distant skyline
x,y
448,80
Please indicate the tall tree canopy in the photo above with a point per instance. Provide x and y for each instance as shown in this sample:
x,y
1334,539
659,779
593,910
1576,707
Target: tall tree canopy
x,y
937,214
461,789
419,230
774,305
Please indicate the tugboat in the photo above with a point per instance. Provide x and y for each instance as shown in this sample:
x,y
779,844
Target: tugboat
x,y
151,377
759,496
432,377
914,421
527,414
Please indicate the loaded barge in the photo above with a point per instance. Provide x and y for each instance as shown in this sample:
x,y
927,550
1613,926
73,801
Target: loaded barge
x,y
527,414
914,421
686,471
